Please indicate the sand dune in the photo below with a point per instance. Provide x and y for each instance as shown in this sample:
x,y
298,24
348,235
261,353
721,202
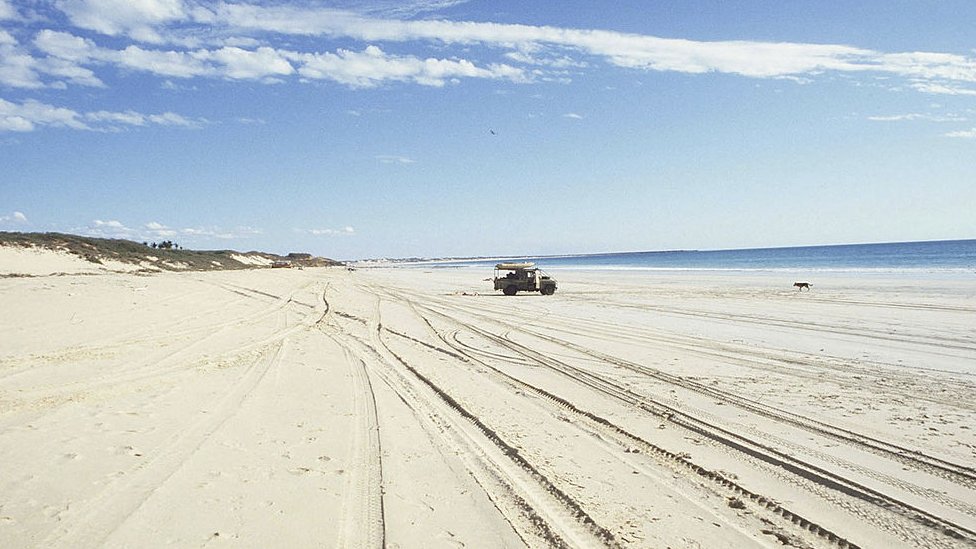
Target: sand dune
x,y
385,407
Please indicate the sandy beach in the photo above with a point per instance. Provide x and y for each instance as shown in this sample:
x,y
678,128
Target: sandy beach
x,y
417,408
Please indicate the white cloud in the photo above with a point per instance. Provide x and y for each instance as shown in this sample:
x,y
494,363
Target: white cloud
x,y
158,230
573,115
742,57
557,62
15,217
372,66
393,159
942,89
176,64
65,45
173,119
964,134
18,69
14,123
918,116
31,114
628,50
250,40
138,19
231,62
549,50
7,11
155,230
930,66
110,224
243,64
399,8
130,118
221,234
70,71
108,229
344,231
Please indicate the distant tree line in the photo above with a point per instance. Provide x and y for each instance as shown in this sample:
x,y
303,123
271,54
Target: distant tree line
x,y
164,245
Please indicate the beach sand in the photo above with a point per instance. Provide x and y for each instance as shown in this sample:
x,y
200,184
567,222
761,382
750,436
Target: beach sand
x,y
417,408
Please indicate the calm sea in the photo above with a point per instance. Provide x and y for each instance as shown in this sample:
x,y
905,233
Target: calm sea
x,y
944,256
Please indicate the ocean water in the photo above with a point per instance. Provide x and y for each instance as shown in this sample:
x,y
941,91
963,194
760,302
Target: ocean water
x,y
944,256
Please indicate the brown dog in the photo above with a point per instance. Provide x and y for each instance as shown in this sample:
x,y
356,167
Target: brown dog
x,y
802,285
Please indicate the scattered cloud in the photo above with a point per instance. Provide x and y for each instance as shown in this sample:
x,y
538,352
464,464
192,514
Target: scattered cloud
x,y
918,116
398,8
238,63
372,66
138,19
645,52
31,114
344,231
17,218
7,10
247,33
28,115
573,115
158,230
112,224
107,229
963,134
392,159
219,233
556,62
368,68
155,230
19,68
173,119
942,89
182,40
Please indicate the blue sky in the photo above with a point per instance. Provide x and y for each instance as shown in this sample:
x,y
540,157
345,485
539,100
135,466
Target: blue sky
x,y
363,128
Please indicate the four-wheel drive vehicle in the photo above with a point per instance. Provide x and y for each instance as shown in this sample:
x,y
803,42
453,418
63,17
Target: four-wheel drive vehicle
x,y
512,278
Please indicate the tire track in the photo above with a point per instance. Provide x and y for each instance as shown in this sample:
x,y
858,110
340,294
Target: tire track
x,y
940,342
535,507
740,355
673,461
46,397
363,520
770,455
957,473
631,442
108,509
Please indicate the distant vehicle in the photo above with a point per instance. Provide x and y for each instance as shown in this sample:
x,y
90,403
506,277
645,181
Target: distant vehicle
x,y
512,278
281,264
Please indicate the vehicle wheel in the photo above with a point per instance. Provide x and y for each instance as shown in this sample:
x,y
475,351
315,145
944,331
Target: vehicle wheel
x,y
510,290
549,290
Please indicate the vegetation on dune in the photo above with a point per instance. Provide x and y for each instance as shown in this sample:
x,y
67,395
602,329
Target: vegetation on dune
x,y
166,255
